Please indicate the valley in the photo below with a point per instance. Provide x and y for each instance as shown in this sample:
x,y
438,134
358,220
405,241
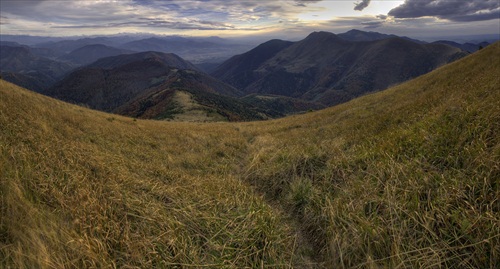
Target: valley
x,y
406,177
125,75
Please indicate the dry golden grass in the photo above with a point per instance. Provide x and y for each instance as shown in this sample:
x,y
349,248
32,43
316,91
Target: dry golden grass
x,y
405,178
87,189
192,111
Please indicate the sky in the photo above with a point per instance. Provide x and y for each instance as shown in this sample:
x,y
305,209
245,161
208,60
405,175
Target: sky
x,y
286,19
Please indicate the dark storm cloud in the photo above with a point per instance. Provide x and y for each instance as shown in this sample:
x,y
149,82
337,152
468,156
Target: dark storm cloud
x,y
361,5
454,10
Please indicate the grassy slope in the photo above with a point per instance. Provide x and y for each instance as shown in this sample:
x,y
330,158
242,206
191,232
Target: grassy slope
x,y
87,189
408,177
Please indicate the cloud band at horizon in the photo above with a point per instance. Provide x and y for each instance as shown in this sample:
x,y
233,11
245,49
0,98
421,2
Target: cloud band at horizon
x,y
280,18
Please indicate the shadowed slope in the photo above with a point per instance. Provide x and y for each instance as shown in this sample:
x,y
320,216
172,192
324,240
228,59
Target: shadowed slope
x,y
327,69
239,70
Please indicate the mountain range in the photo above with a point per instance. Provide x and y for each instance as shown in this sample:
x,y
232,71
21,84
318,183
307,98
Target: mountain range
x,y
20,65
328,69
275,78
152,85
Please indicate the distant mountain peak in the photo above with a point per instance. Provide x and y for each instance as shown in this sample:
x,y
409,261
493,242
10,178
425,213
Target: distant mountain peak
x,y
273,43
322,35
356,31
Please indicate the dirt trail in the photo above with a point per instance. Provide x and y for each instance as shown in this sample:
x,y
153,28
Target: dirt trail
x,y
303,247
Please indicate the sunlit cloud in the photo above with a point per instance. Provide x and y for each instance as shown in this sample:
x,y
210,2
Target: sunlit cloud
x,y
233,17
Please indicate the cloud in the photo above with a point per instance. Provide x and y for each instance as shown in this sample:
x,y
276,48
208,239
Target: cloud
x,y
361,5
303,3
42,11
453,10
477,17
372,24
141,14
355,22
157,23
237,17
4,20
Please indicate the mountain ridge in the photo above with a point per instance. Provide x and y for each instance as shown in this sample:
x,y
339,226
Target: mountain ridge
x,y
358,35
325,68
144,84
21,66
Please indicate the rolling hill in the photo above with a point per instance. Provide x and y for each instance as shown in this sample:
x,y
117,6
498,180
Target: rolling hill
x,y
155,85
330,70
403,178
